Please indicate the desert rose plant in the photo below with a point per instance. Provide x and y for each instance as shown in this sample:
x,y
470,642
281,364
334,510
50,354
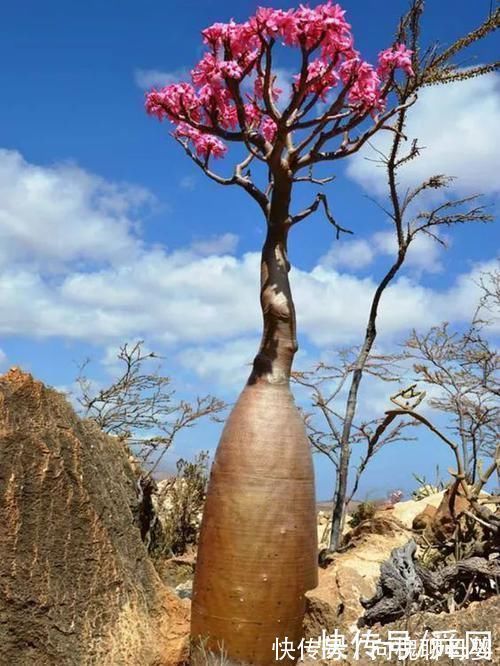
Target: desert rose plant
x,y
258,552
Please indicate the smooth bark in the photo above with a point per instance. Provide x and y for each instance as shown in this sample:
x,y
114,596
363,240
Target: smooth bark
x,y
257,554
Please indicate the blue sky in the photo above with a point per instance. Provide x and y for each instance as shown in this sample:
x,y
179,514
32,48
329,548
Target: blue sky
x,y
109,234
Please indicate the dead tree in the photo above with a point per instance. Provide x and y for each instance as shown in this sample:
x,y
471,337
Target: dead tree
x,y
462,368
325,422
405,586
399,589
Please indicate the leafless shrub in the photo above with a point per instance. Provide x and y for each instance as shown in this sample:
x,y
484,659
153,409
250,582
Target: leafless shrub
x,y
180,503
140,407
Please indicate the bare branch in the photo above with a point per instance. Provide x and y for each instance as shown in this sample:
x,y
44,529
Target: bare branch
x,y
236,179
311,179
447,214
320,199
491,24
140,407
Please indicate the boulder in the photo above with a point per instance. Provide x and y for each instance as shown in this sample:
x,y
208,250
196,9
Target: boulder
x,y
354,573
319,616
424,518
406,511
77,586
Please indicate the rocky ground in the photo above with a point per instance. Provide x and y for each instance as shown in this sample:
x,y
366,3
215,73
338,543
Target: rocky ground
x,y
354,573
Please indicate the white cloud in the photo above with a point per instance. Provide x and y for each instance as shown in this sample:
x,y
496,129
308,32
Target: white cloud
x,y
459,125
333,307
351,254
227,364
199,298
156,78
224,244
62,213
3,359
185,298
423,254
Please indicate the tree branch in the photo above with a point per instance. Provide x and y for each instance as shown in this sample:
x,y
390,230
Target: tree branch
x,y
320,200
236,179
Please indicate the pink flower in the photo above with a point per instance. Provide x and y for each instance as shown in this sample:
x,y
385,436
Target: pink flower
x,y
232,68
320,79
268,20
154,104
268,129
207,71
398,57
176,101
252,114
205,144
214,34
395,496
365,83
239,37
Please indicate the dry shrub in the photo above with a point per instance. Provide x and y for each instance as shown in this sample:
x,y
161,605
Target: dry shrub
x,y
364,511
181,503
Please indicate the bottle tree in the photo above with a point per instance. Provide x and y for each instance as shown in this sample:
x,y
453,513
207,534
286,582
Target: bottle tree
x,y
257,553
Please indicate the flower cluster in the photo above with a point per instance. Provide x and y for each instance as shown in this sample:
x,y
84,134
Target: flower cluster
x,y
205,144
321,77
398,57
323,27
227,90
363,83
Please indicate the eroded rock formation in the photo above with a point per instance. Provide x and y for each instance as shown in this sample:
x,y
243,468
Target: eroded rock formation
x,y
76,584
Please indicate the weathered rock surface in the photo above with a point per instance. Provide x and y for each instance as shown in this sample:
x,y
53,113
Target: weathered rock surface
x,y
76,584
407,511
354,573
424,518
319,616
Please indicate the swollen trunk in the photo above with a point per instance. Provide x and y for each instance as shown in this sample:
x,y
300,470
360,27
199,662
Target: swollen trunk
x,y
257,554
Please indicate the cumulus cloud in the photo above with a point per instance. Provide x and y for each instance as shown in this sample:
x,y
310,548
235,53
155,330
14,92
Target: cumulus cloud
x,y
226,364
423,254
459,125
200,298
57,214
351,254
183,298
224,244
